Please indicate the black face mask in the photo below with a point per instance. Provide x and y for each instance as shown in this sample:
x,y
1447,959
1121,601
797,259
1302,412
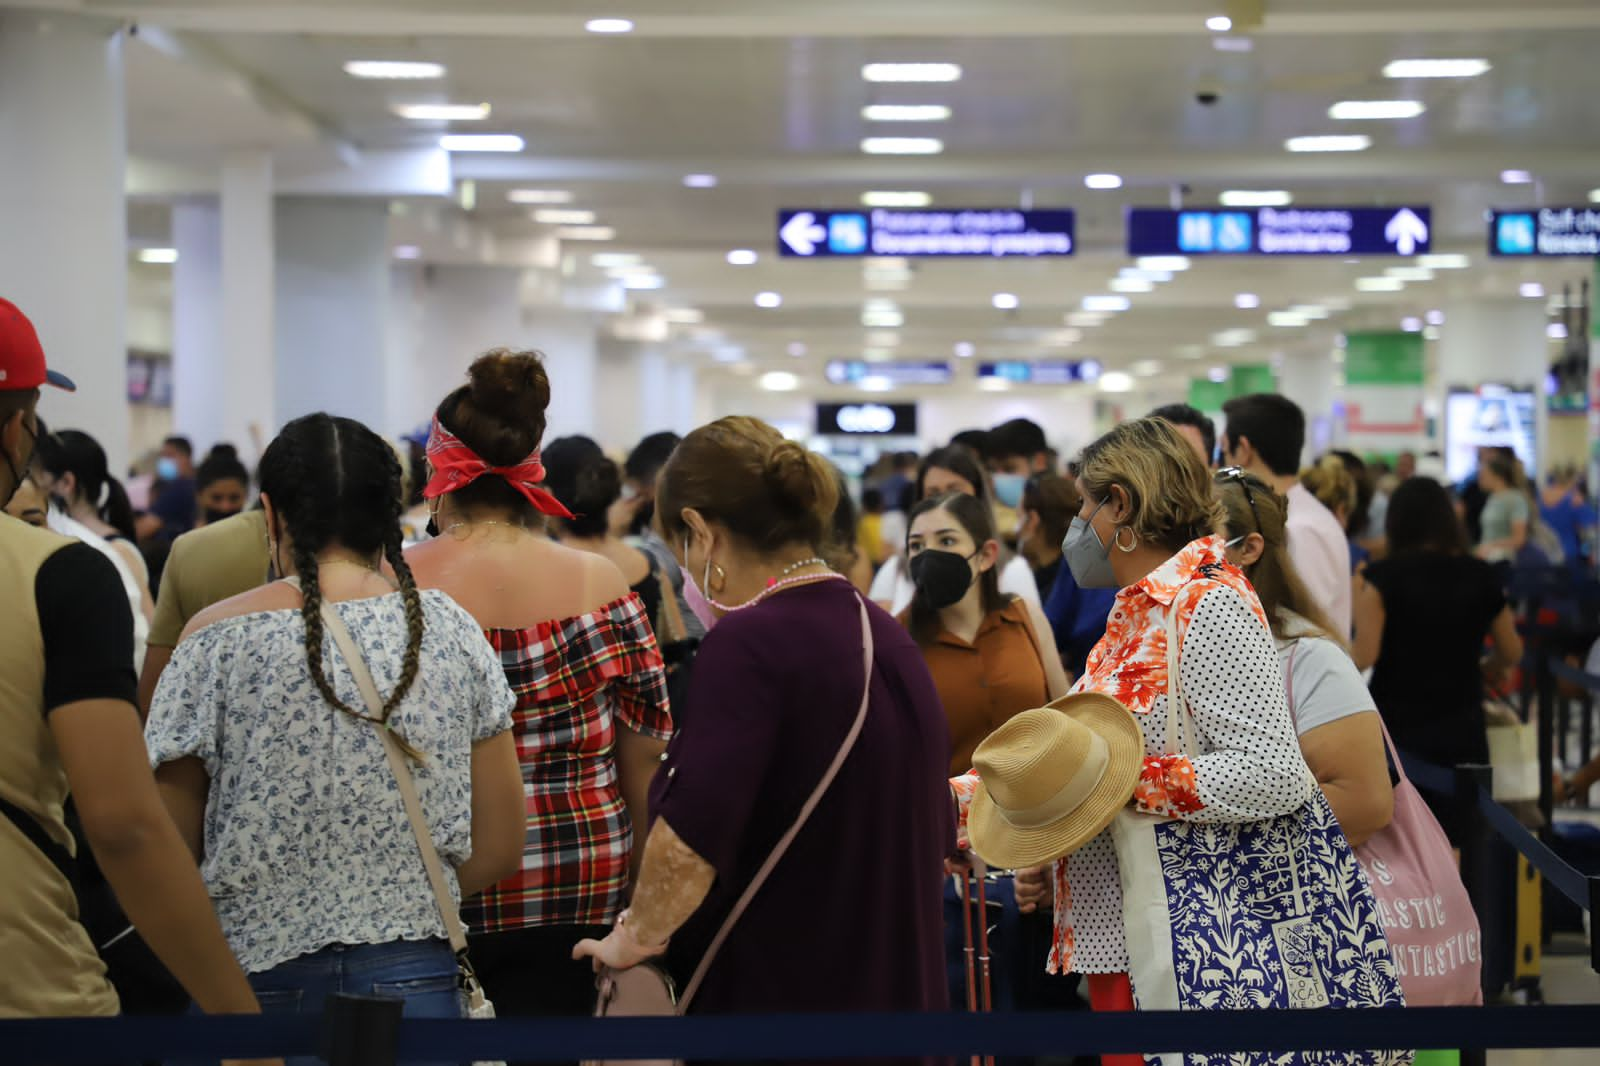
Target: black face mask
x,y
941,577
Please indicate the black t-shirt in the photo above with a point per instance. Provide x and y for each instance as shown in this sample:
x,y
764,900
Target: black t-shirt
x,y
1427,685
87,628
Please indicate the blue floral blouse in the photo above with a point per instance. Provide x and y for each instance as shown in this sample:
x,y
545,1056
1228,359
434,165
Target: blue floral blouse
x,y
306,838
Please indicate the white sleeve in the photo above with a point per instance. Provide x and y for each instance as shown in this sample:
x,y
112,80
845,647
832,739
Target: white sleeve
x,y
1228,668
885,581
1325,685
1017,579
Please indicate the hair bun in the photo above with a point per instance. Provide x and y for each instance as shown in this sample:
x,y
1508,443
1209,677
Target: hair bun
x,y
510,385
795,476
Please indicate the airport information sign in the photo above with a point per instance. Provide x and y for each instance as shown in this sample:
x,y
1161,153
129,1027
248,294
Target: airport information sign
x,y
867,419
923,233
1530,232
888,375
1275,231
1043,372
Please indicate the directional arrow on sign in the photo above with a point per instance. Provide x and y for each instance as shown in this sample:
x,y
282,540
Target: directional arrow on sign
x,y
802,233
1405,231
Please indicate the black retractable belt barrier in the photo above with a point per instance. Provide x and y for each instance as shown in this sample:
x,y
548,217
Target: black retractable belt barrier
x,y
361,1031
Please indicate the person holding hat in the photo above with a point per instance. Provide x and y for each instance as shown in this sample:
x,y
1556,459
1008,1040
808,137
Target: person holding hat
x,y
1051,792
66,707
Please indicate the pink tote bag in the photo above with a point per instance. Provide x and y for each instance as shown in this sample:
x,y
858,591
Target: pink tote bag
x,y
1432,928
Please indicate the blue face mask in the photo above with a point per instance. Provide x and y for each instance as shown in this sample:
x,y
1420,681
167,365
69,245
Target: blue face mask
x,y
167,468
1008,489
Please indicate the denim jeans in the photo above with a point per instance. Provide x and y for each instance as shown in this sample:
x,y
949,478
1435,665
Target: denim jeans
x,y
422,973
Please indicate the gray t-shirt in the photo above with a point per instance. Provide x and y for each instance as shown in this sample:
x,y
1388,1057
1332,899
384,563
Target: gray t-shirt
x,y
1502,510
1322,681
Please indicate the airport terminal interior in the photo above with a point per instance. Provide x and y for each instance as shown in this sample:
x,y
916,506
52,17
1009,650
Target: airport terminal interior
x,y
880,227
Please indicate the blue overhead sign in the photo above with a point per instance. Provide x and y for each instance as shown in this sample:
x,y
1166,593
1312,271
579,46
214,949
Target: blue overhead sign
x,y
896,375
1043,372
1545,231
1341,231
999,233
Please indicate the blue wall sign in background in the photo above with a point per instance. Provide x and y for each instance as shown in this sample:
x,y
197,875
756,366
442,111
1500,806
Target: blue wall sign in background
x,y
1545,231
996,233
1044,372
1341,231
897,375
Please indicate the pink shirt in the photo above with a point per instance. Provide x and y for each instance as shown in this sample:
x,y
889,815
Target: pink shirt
x,y
1321,554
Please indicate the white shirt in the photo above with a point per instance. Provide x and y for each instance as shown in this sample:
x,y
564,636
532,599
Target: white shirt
x,y
68,526
893,585
1321,555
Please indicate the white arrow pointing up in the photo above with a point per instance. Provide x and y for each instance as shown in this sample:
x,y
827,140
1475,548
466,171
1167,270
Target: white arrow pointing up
x,y
802,233
1405,231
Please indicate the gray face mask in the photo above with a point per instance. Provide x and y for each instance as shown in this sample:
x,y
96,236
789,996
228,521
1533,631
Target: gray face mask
x,y
1087,558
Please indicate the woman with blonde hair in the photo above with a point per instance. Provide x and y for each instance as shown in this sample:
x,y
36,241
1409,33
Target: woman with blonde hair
x,y
1221,779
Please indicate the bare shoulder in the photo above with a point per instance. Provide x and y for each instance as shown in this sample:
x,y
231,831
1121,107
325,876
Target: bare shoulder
x,y
274,597
603,581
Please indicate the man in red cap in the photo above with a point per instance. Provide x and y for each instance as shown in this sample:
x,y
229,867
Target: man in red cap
x,y
67,723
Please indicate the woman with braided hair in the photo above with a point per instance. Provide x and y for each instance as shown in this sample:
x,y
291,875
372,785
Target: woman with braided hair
x,y
273,765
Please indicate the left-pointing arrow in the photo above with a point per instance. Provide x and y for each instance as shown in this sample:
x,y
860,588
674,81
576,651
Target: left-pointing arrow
x,y
802,233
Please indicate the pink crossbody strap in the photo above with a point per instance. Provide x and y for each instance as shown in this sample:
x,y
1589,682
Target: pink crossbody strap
x,y
806,810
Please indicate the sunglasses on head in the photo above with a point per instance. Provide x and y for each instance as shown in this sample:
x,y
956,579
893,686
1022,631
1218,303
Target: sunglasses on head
x,y
1244,478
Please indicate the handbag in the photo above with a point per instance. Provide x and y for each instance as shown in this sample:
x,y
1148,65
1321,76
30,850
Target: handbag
x,y
647,990
478,1004
1248,916
1513,753
1429,921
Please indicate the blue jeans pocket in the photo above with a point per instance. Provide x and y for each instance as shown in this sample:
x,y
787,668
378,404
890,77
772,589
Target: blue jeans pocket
x,y
280,1000
415,986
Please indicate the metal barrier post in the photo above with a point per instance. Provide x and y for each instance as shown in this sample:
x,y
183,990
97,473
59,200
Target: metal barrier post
x,y
1546,689
361,1031
1594,934
1482,882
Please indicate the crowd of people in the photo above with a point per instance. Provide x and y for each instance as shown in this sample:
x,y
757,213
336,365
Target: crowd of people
x,y
704,710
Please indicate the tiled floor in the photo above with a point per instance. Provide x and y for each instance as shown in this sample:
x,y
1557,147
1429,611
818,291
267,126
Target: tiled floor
x,y
1566,979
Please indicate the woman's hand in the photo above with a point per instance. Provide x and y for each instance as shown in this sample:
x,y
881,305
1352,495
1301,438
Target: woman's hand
x,y
618,951
1035,889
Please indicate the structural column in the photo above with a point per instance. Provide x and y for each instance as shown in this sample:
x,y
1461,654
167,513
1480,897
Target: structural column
x,y
1486,342
1311,380
63,222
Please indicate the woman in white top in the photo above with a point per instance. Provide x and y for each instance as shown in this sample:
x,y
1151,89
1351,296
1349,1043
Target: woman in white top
x,y
1340,734
272,764
951,469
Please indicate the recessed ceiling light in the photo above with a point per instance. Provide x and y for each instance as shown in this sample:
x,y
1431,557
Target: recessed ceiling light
x,y
1106,303
1409,273
1256,198
769,300
481,142
1361,110
407,251
1086,319
539,196
158,255
558,216
1140,274
643,282
1311,312
911,72
1217,375
1516,177
615,260
1556,331
1247,301
1005,301
1286,319
609,25
1170,263
1379,284
883,339
905,112
896,199
1147,368
1219,24
1233,338
1411,324
1233,44
684,316
395,70
1131,285
779,381
965,350
700,181
1358,142
994,384
797,349
902,145
1437,68
742,257
1103,181
1116,381
1435,318
1594,196
1444,261
875,383
586,233
443,112
1531,290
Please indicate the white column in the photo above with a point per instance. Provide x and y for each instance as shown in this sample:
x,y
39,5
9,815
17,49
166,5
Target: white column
x,y
1496,342
332,311
1311,380
247,301
570,343
63,222
443,317
199,360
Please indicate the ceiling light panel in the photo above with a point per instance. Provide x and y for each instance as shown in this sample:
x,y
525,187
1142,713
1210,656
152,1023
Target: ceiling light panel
x,y
539,196
888,198
1437,68
902,145
1367,110
443,112
1256,198
586,233
1358,142
911,72
905,113
481,142
558,216
393,70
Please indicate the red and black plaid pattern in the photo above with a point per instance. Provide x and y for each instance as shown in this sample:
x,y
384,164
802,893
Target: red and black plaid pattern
x,y
575,680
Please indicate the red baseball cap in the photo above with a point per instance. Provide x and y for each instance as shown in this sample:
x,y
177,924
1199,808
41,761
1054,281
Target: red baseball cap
x,y
21,357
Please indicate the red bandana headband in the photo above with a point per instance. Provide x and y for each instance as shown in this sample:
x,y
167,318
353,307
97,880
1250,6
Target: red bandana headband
x,y
455,466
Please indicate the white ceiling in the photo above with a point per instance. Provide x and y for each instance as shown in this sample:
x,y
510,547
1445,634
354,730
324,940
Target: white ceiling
x,y
767,95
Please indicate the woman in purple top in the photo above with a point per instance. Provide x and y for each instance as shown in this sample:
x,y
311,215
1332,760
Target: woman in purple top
x,y
850,919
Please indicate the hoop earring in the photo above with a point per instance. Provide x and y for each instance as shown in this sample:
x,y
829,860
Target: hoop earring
x,y
721,576
1116,538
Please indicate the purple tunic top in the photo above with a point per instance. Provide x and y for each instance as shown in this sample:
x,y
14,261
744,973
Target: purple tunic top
x,y
851,918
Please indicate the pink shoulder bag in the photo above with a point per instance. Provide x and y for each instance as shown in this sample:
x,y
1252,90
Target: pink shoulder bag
x,y
647,991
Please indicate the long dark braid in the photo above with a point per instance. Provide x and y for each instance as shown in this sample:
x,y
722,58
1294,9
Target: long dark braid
x,y
334,480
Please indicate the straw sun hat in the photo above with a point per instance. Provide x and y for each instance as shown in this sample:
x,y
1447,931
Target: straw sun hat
x,y
1052,779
